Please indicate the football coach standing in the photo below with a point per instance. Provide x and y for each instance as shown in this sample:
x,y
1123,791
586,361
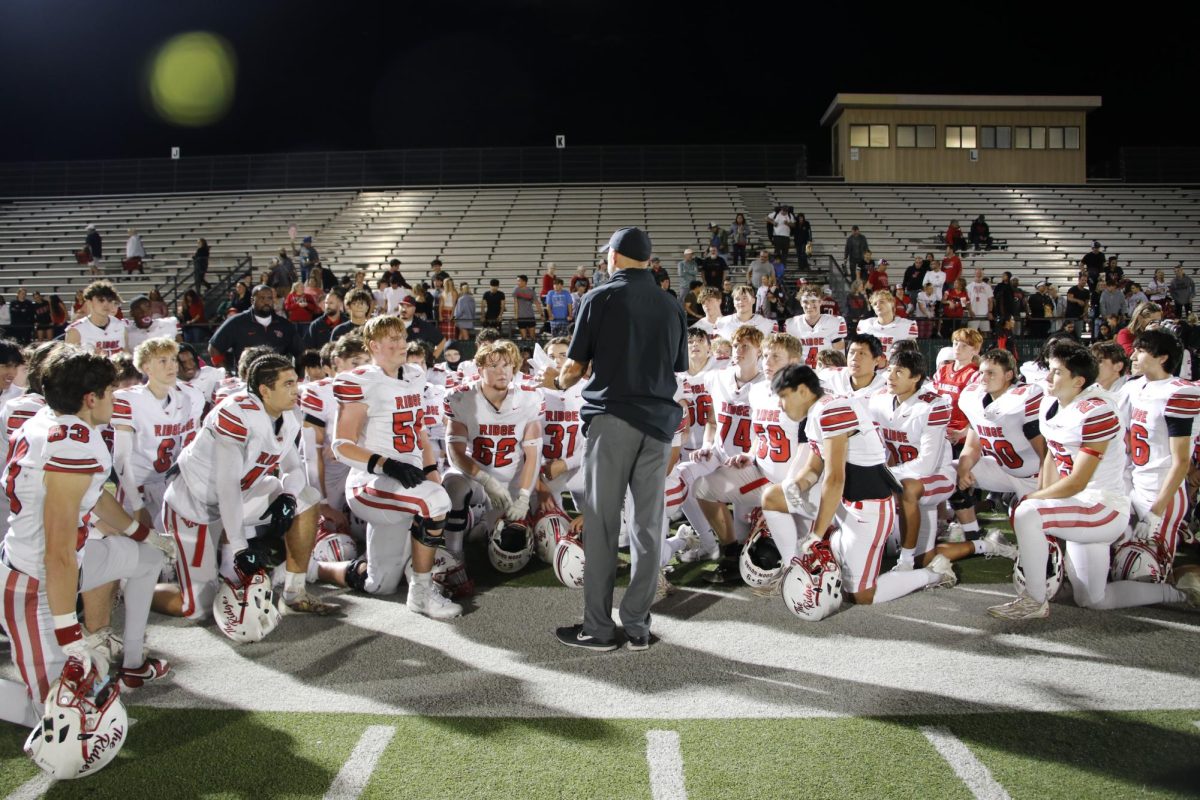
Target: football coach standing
x,y
634,337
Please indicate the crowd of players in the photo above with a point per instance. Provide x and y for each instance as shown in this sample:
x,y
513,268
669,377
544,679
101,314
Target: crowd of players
x,y
805,455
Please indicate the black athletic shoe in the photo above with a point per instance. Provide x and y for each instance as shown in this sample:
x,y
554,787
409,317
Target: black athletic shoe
x,y
573,636
638,642
726,572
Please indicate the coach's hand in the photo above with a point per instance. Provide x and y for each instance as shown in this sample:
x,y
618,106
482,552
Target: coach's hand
x,y
549,375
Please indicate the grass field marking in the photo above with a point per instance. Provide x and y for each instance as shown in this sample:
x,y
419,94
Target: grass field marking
x,y
715,593
33,788
788,684
353,776
666,765
1165,623
966,766
991,592
945,626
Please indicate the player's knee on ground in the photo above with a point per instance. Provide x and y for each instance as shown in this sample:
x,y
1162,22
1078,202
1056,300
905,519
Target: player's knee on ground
x,y
458,487
914,490
773,499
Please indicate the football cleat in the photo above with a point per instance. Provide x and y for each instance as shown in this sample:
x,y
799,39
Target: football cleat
x,y
1024,607
997,546
693,551
1189,584
305,603
955,533
664,588
942,566
429,601
152,669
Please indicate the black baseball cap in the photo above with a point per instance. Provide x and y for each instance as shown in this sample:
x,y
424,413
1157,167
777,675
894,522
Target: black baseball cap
x,y
630,242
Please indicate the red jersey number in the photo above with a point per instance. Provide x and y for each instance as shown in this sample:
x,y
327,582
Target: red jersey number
x,y
1139,445
19,450
772,443
498,453
562,441
741,434
404,432
1003,451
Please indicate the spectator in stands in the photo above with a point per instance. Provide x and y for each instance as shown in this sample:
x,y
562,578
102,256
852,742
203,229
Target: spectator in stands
x,y
359,305
241,300
547,281
926,311
577,297
868,265
913,280
802,233
1041,311
856,305
421,330
1142,318
952,264
5,318
447,302
158,306
191,315
321,329
1094,263
43,327
954,307
1113,270
527,306
600,273
21,316
1060,303
135,252
312,286
781,221
79,307
1079,298
93,247
981,234
855,251
435,266
937,276
954,237
713,267
878,278
828,304
282,274
688,268
778,269
392,293
494,303
727,297
1134,297
760,268
580,278
464,312
300,307
382,286
1002,297
1006,338
739,239
1182,291
200,263
664,283
59,316
1157,288
422,302
657,270
718,237
983,302
307,255
691,302
1112,300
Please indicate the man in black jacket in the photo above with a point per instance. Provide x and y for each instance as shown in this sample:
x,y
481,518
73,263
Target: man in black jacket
x,y
258,326
320,330
21,311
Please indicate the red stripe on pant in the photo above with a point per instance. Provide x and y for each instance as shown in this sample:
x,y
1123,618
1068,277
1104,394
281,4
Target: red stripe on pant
x,y
680,490
875,554
13,622
182,573
1168,532
366,501
1072,510
752,485
1082,523
423,508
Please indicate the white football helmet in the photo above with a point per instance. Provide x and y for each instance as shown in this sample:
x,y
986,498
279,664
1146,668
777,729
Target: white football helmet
x,y
450,573
1137,561
334,546
546,533
569,562
760,562
246,613
78,734
812,584
1055,571
510,546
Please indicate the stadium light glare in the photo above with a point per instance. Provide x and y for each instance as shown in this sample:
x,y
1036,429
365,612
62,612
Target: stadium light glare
x,y
191,79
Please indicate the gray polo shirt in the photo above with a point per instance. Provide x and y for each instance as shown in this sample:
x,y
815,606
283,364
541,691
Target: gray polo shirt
x,y
635,336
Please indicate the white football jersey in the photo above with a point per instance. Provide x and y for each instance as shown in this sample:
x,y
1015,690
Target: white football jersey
x,y
227,387
494,435
731,409
261,441
468,372
836,381
562,427
775,433
708,327
897,330
15,413
815,338
166,327
206,381
395,409
161,428
1000,425
699,408
1090,418
49,442
434,399
1155,411
727,326
107,341
834,416
317,401
914,432
1034,372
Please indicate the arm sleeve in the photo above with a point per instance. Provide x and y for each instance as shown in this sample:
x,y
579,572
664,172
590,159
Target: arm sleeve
x,y
227,473
123,463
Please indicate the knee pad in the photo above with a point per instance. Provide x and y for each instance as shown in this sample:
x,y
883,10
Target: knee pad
x,y
962,499
420,532
356,574
456,520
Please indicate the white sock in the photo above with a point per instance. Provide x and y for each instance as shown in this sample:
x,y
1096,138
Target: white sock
x,y
907,555
783,530
293,584
891,585
982,547
139,592
423,579
741,525
699,523
970,527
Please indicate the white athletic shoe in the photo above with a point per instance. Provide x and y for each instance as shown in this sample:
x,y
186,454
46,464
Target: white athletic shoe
x,y
1189,584
955,533
902,566
430,601
1024,607
772,589
942,566
664,588
693,551
996,545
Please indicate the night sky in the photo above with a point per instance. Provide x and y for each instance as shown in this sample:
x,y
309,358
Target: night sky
x,y
346,75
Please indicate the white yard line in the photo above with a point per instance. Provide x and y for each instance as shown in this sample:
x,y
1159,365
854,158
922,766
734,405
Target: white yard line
x,y
33,788
992,592
666,765
966,766
354,774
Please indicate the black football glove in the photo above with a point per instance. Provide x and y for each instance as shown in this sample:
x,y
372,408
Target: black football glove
x,y
247,564
408,475
281,512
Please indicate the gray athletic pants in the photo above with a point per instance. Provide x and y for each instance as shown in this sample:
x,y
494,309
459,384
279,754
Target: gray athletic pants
x,y
619,456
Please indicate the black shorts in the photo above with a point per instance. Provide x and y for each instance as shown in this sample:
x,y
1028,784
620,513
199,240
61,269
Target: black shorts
x,y
525,322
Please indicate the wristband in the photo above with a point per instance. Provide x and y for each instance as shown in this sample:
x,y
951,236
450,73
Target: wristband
x,y
430,469
557,384
372,461
67,629
138,531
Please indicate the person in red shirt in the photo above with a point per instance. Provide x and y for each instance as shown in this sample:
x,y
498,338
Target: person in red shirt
x,y
954,236
547,283
878,279
954,305
828,304
954,375
952,265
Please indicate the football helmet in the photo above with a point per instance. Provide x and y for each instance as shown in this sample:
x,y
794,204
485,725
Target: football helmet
x,y
450,573
1137,561
569,561
246,613
334,546
1055,570
546,533
760,562
510,546
78,734
812,584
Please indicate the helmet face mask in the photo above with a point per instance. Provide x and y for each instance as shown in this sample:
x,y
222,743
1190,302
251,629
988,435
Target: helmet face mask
x,y
510,546
1137,561
812,584
760,563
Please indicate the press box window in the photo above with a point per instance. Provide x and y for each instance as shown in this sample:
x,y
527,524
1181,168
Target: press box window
x,y
995,137
960,137
869,136
915,136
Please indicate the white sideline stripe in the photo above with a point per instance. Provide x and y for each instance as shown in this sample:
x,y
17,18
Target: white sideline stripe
x,y
1165,623
666,765
966,766
788,684
353,776
945,626
992,592
713,592
33,788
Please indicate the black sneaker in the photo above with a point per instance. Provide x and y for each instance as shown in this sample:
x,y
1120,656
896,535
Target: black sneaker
x,y
638,642
573,636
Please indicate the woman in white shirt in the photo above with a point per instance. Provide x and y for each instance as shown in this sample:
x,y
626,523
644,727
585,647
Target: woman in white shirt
x,y
1156,289
936,276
